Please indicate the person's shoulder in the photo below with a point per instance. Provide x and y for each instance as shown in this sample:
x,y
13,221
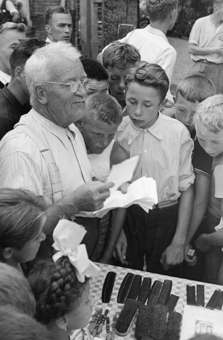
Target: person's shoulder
x,y
202,20
174,124
118,154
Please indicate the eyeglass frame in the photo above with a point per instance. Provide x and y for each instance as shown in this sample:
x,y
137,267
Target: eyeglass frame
x,y
82,82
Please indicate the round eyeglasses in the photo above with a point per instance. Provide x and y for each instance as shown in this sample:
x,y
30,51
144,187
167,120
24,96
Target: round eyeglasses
x,y
74,85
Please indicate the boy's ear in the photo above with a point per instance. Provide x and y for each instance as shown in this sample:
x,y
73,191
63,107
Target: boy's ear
x,y
48,29
7,253
19,73
62,322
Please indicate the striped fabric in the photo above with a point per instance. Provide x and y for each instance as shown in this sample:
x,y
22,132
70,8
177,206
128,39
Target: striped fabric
x,y
22,165
165,151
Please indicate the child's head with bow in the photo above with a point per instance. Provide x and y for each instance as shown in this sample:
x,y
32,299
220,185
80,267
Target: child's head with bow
x,y
61,288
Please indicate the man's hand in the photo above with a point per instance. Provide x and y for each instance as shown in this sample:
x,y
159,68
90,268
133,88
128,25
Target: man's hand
x,y
91,196
172,256
202,243
121,248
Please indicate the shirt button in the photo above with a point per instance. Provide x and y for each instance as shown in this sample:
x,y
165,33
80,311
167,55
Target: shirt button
x,y
145,151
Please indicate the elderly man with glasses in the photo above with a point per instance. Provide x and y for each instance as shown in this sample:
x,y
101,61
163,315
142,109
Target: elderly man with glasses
x,y
45,153
10,36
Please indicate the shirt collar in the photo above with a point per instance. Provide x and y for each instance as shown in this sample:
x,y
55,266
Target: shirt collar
x,y
4,77
155,130
155,31
48,40
58,131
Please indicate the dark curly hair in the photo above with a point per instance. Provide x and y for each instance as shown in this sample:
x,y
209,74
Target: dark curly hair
x,y
151,75
55,287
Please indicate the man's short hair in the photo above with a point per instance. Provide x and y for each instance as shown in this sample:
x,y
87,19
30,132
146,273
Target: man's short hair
x,y
210,113
103,107
160,9
196,88
23,52
151,75
52,10
40,67
12,26
118,53
16,325
15,290
94,69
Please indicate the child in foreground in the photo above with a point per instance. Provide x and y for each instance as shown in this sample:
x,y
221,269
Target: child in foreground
x,y
61,287
209,129
189,93
98,127
21,226
164,144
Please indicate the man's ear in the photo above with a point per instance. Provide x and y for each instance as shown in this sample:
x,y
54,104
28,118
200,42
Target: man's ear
x,y
41,94
7,253
19,74
62,323
79,124
48,29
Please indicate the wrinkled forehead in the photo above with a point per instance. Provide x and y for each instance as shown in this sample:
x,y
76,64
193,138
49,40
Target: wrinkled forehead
x,y
97,85
10,36
65,70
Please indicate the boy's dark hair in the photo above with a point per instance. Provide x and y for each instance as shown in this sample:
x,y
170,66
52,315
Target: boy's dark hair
x,y
20,217
15,325
196,88
151,75
94,69
23,52
102,106
15,290
119,54
54,9
159,10
55,287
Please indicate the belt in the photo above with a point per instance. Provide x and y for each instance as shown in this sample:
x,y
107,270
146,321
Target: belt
x,y
164,204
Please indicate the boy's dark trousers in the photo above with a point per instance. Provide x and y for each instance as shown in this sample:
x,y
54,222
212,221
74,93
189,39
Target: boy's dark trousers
x,y
148,235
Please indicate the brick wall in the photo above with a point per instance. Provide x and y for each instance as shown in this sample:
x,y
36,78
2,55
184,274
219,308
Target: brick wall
x,y
37,10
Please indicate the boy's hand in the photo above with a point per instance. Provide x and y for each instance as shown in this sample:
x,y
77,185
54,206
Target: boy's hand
x,y
121,248
202,242
172,256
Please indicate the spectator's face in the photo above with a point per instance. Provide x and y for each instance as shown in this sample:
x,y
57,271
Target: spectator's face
x,y
60,27
117,77
98,135
64,106
211,142
185,111
142,104
30,249
97,86
9,39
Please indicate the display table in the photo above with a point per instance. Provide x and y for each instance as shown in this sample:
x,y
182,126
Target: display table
x,y
178,288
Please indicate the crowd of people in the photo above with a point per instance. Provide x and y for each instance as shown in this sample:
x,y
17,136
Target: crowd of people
x,y
65,121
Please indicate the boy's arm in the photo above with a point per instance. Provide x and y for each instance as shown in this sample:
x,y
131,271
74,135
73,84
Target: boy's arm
x,y
201,193
118,154
204,241
117,218
194,49
174,253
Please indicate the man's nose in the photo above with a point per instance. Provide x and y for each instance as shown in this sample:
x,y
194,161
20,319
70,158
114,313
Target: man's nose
x,y
67,29
81,91
122,83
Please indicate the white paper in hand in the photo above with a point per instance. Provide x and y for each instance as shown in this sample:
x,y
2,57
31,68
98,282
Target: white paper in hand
x,y
122,172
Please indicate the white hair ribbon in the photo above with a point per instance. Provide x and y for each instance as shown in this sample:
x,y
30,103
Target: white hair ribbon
x,y
67,237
